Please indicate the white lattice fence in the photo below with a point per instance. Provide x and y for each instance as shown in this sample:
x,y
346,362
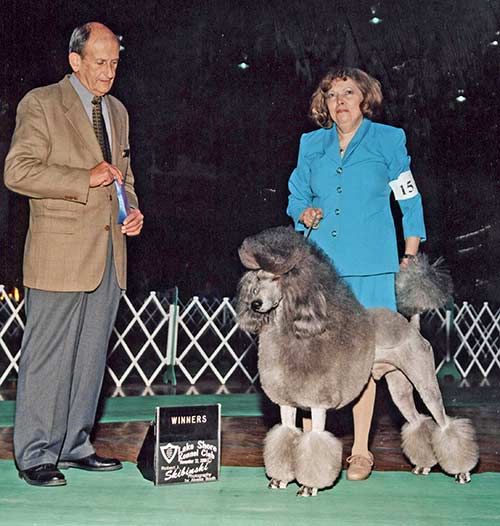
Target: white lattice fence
x,y
473,345
201,339
209,342
138,345
11,330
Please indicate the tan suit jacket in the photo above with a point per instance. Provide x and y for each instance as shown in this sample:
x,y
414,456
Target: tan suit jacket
x,y
53,149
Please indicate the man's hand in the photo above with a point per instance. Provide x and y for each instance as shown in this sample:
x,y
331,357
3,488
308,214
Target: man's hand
x,y
104,174
132,225
311,216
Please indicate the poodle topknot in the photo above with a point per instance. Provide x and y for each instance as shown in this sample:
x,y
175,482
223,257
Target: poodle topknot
x,y
275,250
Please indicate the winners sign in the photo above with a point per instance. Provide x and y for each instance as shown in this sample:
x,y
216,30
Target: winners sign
x,y
182,445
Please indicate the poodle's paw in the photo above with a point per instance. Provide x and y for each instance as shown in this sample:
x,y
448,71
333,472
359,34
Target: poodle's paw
x,y
462,478
277,484
307,491
420,470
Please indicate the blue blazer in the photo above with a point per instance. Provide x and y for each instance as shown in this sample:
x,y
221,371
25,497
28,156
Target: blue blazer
x,y
357,230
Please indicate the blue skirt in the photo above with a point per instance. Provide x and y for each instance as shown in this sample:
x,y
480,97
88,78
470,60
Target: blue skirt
x,y
374,291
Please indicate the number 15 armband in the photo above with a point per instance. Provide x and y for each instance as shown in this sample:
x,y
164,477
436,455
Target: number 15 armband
x,y
404,187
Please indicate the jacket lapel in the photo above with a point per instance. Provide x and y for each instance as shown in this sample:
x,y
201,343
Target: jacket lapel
x,y
331,145
75,113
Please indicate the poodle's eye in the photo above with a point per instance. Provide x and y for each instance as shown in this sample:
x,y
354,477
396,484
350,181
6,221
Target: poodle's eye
x,y
255,290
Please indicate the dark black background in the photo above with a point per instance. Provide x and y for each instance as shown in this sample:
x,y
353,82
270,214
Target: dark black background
x,y
213,145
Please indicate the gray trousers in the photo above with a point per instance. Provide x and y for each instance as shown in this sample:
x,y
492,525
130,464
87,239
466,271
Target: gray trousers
x,y
63,359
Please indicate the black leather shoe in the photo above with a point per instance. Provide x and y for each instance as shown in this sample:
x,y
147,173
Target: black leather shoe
x,y
43,475
92,463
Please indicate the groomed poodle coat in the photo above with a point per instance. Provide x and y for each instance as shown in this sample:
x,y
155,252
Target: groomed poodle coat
x,y
317,349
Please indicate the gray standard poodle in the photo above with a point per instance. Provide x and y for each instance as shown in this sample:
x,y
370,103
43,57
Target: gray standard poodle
x,y
318,348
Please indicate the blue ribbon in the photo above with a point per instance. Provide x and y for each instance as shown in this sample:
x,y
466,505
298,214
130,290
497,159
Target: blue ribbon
x,y
123,206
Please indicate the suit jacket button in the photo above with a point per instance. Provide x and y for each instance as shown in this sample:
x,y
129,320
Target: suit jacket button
x,y
339,189
339,170
334,233
106,227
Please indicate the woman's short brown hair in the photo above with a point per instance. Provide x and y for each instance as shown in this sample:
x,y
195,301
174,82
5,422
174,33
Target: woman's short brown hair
x,y
370,88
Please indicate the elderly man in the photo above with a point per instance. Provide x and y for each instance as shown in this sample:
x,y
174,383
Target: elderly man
x,y
70,156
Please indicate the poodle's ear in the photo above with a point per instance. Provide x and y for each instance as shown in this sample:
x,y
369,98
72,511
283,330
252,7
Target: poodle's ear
x,y
305,305
248,320
310,319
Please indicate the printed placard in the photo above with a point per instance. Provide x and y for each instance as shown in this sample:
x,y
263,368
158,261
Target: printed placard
x,y
186,445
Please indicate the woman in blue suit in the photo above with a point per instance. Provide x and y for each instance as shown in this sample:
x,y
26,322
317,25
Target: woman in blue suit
x,y
341,186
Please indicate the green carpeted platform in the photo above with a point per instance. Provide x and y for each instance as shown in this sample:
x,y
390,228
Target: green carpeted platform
x,y
139,408
242,498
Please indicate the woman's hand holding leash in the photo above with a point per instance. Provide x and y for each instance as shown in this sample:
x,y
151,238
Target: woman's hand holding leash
x,y
311,217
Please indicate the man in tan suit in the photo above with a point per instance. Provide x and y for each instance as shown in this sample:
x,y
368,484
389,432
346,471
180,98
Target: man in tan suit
x,y
75,255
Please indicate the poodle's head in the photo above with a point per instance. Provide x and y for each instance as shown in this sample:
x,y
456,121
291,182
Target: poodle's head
x,y
283,272
265,291
259,295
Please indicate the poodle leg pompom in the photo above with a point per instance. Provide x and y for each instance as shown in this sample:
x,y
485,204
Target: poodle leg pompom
x,y
416,442
318,460
456,448
279,453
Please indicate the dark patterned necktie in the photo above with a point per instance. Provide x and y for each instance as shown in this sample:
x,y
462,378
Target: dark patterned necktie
x,y
100,128
102,137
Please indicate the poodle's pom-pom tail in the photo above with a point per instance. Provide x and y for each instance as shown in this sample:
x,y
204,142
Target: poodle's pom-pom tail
x,y
455,446
416,442
421,286
279,452
318,460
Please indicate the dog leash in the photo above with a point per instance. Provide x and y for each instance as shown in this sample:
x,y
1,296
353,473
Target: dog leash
x,y
308,233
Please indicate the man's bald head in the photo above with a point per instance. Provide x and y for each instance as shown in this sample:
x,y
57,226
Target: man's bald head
x,y
93,55
81,35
